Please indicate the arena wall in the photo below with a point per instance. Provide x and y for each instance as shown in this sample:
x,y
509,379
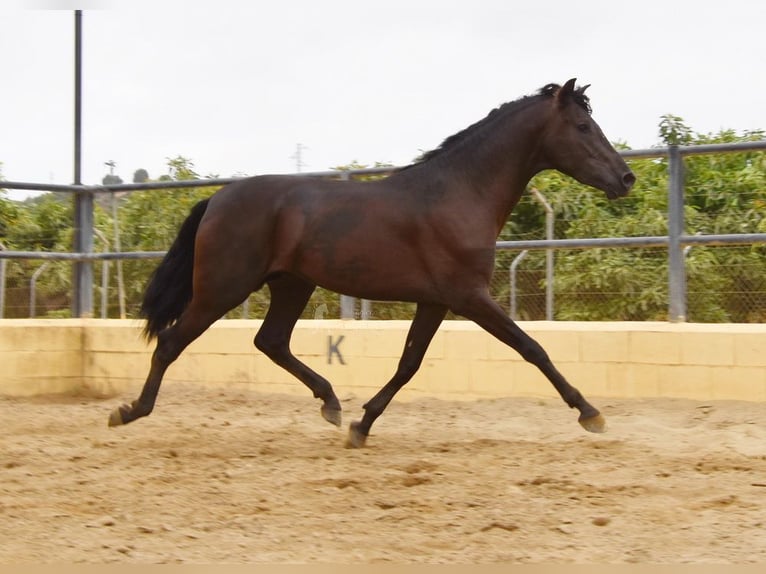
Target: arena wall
x,y
107,357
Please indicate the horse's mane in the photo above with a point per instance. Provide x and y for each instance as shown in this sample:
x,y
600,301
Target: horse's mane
x,y
547,91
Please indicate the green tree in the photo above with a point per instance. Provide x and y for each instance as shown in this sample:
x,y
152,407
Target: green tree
x,y
149,221
673,130
725,193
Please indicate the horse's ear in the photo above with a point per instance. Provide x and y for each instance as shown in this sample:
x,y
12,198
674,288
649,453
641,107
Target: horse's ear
x,y
564,95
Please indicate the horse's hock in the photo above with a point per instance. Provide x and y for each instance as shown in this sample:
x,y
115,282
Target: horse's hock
x,y
627,360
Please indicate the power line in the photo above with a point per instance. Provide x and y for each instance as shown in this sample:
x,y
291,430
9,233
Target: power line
x,y
298,157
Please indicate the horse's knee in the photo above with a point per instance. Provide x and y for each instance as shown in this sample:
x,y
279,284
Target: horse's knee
x,y
408,367
534,353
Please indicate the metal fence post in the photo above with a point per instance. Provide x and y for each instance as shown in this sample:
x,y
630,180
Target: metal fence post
x,y
549,229
514,264
104,277
33,289
82,302
2,283
347,303
676,264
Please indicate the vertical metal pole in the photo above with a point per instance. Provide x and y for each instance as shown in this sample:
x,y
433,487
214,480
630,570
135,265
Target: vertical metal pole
x,y
104,276
118,248
2,283
83,243
549,224
366,312
549,255
77,94
347,307
676,266
2,288
105,289
514,264
347,303
82,301
33,289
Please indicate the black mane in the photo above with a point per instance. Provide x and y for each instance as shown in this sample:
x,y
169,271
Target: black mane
x,y
547,91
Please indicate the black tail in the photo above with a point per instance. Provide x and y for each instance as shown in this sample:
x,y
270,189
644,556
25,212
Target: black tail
x,y
170,286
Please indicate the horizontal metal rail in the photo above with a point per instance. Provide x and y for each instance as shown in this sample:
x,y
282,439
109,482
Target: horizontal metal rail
x,y
531,244
70,256
648,241
589,243
648,153
702,149
180,184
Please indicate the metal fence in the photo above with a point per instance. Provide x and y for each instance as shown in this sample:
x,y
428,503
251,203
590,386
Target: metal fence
x,y
676,244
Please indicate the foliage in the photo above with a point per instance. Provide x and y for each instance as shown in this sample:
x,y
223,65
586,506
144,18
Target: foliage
x,y
38,224
725,193
149,221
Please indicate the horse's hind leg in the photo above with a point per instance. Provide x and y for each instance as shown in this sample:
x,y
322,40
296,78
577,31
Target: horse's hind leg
x,y
170,344
289,296
214,293
424,325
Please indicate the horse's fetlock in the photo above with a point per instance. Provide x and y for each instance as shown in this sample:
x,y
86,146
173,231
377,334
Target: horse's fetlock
x,y
573,398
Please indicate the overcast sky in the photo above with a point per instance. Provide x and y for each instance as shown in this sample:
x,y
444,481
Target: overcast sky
x,y
236,85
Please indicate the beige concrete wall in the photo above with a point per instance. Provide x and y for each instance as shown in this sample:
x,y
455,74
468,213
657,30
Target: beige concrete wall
x,y
463,362
40,356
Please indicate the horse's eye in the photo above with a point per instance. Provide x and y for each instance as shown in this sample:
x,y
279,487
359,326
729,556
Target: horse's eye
x,y
584,128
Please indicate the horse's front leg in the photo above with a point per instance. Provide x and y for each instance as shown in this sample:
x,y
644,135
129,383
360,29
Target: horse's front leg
x,y
289,296
489,315
427,319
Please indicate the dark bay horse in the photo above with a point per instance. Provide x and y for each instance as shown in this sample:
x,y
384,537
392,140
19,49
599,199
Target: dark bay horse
x,y
426,234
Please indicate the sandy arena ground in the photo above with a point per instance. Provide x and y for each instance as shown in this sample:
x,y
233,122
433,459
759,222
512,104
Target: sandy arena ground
x,y
235,476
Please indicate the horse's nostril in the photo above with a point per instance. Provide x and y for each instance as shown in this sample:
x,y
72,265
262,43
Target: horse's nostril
x,y
628,180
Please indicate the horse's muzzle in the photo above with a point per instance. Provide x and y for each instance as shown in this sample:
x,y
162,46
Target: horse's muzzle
x,y
628,179
621,190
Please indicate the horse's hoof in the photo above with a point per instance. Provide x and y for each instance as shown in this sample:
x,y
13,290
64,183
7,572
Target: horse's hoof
x,y
332,415
356,438
593,424
115,419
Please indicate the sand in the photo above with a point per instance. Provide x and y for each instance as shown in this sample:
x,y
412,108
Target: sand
x,y
237,476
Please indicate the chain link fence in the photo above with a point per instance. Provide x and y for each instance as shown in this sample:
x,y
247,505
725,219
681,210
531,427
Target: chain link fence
x,y
735,293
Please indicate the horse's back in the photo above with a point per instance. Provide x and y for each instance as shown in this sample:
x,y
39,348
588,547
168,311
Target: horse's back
x,y
336,234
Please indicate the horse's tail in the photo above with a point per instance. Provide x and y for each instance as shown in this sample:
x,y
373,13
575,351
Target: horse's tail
x,y
170,286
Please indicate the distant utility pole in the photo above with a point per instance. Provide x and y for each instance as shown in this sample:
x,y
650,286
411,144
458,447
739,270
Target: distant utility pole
x,y
298,157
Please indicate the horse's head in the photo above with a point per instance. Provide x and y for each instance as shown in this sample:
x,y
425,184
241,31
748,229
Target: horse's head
x,y
575,145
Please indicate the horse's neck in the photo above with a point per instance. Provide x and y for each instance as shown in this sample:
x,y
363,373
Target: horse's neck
x,y
489,176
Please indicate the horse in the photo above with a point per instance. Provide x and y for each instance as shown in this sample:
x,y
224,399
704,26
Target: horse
x,y
425,234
